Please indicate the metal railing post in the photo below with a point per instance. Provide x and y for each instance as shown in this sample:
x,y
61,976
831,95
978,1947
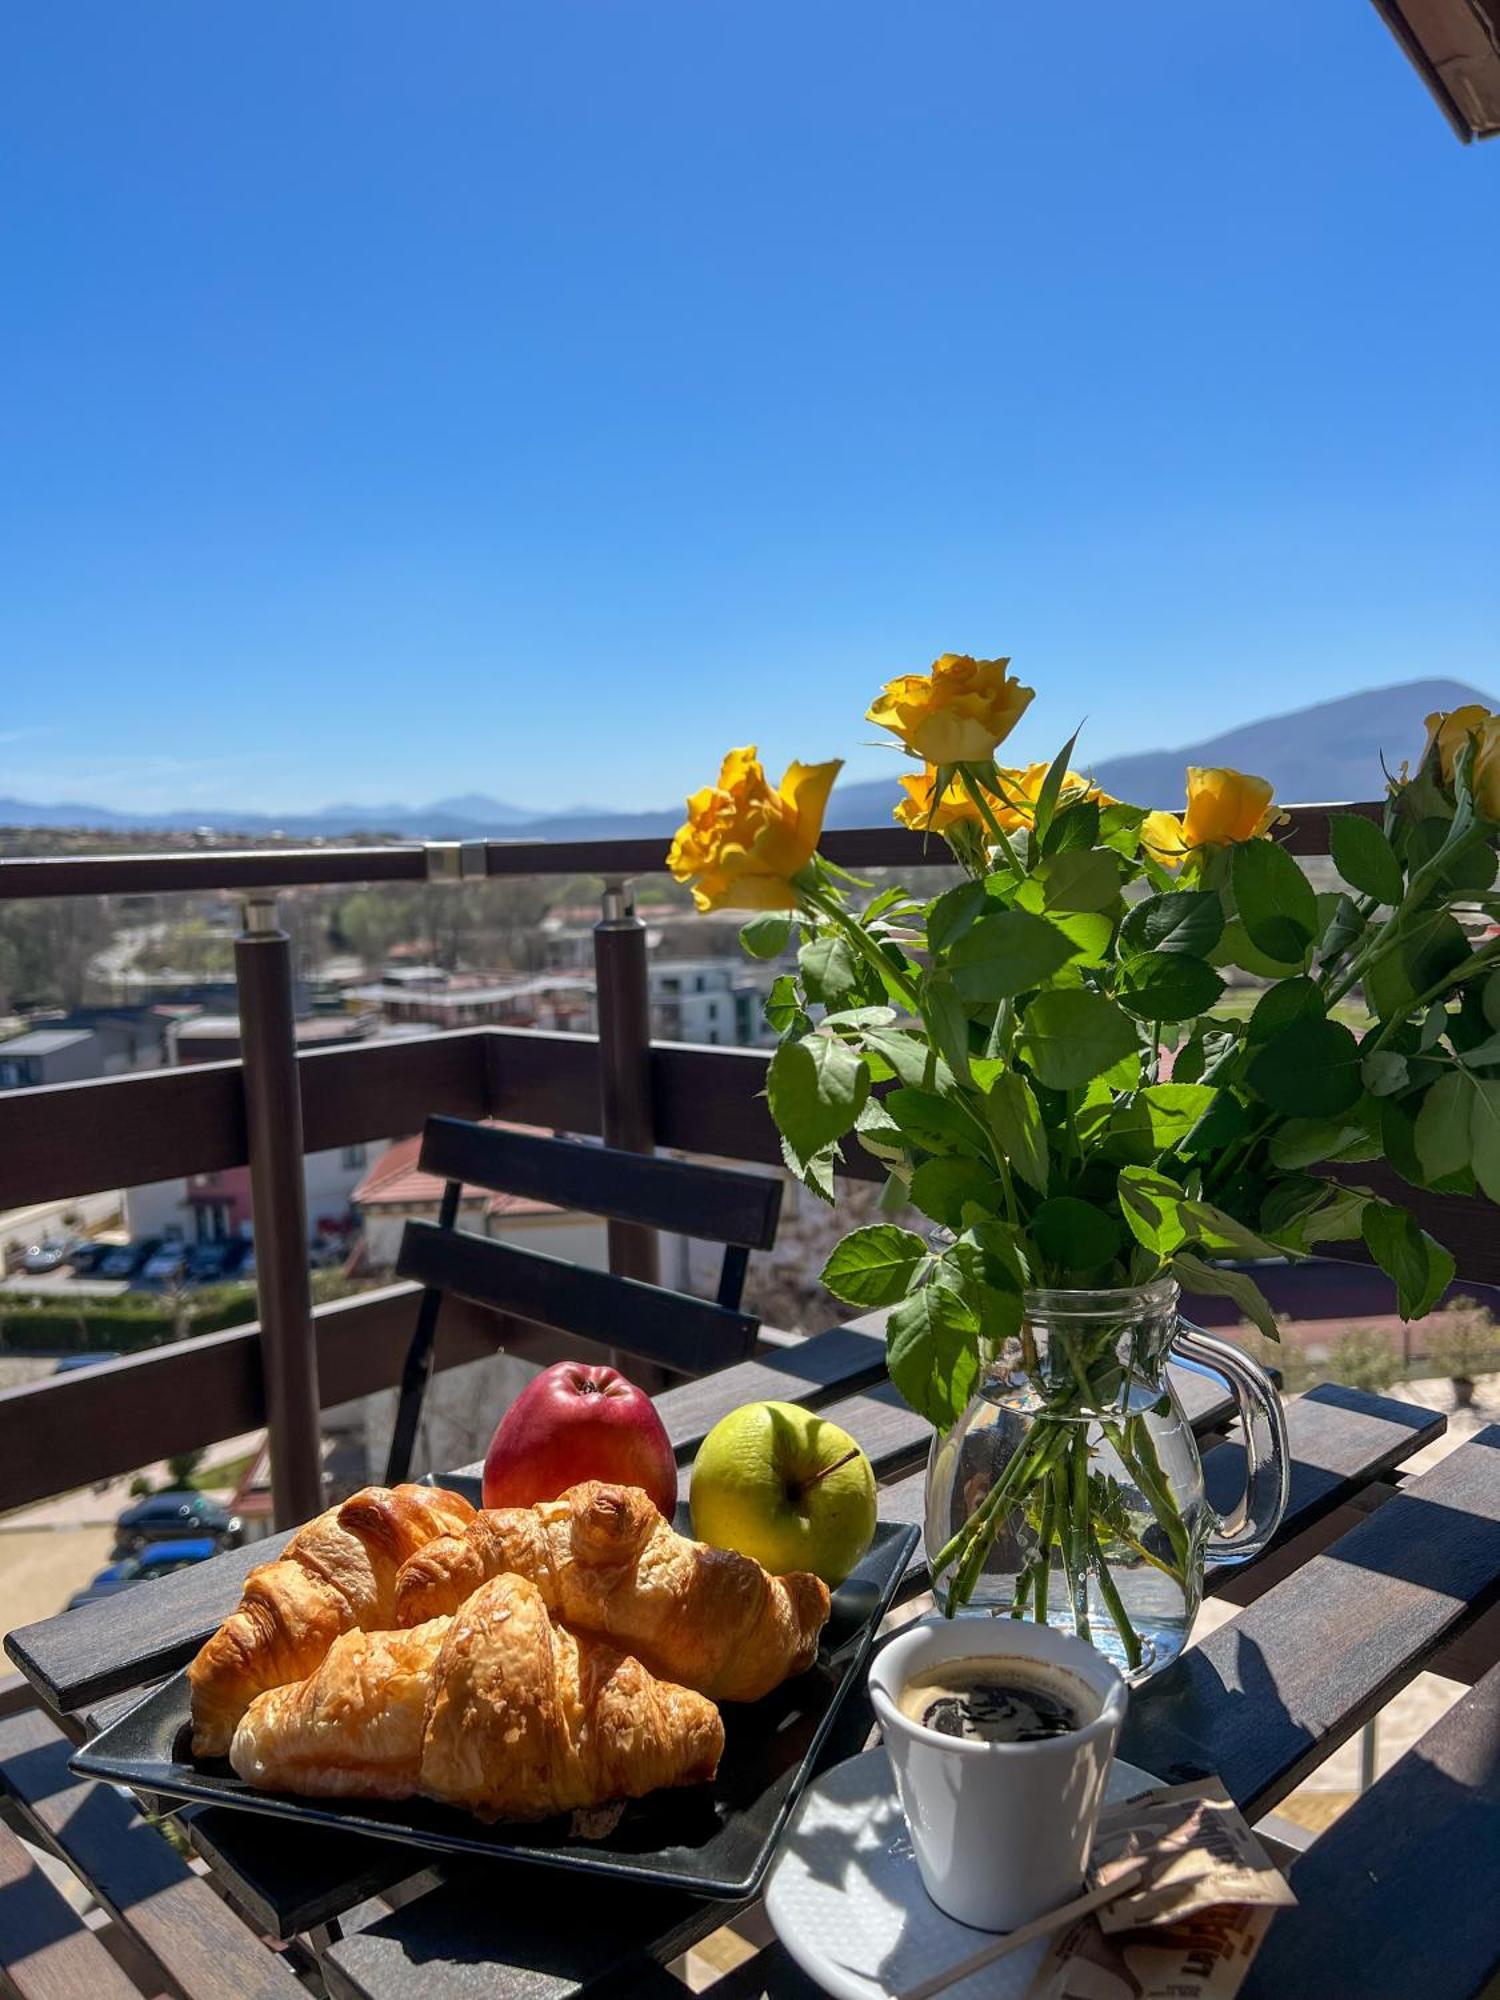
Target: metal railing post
x,y
278,1196
624,1006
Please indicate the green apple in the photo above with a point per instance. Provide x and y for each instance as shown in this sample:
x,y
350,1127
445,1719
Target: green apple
x,y
784,1485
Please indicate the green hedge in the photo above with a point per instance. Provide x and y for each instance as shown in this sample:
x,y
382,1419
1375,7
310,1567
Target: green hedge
x,y
134,1320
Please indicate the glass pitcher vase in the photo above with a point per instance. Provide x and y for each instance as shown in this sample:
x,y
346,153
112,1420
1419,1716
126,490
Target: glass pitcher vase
x,y
1071,1489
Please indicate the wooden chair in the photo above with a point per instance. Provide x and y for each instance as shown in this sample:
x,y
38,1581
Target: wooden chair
x,y
689,1335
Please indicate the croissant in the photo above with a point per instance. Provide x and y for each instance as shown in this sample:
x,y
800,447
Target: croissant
x,y
496,1709
336,1572
607,1563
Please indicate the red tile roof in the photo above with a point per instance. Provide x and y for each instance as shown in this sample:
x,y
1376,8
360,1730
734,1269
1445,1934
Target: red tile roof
x,y
396,1181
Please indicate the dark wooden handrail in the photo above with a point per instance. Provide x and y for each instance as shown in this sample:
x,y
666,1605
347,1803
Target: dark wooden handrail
x,y
417,861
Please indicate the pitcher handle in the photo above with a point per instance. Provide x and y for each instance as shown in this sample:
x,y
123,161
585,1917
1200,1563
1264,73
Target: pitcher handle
x,y
1257,1515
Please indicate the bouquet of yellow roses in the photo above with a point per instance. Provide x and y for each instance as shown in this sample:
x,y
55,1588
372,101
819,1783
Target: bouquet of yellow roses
x,y
1042,1058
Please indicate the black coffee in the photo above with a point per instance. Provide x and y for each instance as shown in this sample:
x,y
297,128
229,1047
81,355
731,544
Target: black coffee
x,y
991,1699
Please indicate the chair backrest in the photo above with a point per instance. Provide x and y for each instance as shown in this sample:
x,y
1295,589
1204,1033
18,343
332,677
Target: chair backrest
x,y
671,1329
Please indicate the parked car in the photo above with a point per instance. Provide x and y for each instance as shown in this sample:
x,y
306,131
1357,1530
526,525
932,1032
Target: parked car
x,y
68,1364
164,1266
169,1516
86,1257
156,1560
123,1260
48,1255
211,1263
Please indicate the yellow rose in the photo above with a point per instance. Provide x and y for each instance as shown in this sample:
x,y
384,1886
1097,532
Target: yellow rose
x,y
1485,772
1015,807
745,839
1449,732
957,713
917,810
1223,807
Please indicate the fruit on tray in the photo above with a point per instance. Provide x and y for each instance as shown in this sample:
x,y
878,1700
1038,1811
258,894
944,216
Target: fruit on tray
x,y
787,1487
337,1572
499,1710
608,1564
573,1423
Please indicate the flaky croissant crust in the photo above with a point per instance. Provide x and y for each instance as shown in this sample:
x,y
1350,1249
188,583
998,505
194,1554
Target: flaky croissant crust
x,y
608,1564
495,1709
336,1573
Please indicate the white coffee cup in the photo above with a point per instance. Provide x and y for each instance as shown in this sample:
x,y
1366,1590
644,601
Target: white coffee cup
x,y
1001,1831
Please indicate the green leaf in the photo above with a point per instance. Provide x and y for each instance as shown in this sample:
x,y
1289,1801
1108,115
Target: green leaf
x,y
1154,1121
815,1173
1151,1203
767,935
875,1266
1274,899
947,1021
1484,1137
945,1188
932,1353
1365,858
830,971
1190,920
911,1058
1306,1142
934,1122
1075,1235
1052,784
1442,1138
1277,1008
1224,1233
1384,1073
783,1009
1015,1118
1338,1219
1077,826
1086,880
1194,1275
1422,1268
877,1134
1006,954
816,1087
1491,1000
1120,828
1235,948
1088,931
953,913
1309,1070
1071,1037
986,1285
1168,986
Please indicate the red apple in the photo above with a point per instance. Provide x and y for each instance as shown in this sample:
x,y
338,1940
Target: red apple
x,y
573,1423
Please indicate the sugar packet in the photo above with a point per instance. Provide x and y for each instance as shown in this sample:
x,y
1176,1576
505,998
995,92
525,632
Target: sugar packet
x,y
1202,1856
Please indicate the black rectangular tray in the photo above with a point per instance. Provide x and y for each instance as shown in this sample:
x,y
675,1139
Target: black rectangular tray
x,y
714,1840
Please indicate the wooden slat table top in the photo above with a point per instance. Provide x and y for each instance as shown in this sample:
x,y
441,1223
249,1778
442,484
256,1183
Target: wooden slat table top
x,y
46,1951
1421,1842
1263,1699
193,1935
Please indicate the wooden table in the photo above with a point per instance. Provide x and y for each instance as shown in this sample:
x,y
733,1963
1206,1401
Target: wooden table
x,y
1370,1578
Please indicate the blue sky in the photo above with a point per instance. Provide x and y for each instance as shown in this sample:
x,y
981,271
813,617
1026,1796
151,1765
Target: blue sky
x,y
402,400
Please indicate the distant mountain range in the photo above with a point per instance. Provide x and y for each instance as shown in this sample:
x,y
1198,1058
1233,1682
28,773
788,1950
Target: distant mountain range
x,y
1330,751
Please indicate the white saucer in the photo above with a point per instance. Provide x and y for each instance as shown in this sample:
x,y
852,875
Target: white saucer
x,y
845,1898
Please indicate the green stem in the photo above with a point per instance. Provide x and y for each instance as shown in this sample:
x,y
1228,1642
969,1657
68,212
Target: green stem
x,y
1138,1455
1078,1530
860,938
987,813
1044,1554
1129,1637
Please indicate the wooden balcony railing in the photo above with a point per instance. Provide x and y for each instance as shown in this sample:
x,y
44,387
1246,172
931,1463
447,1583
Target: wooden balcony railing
x,y
76,1139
